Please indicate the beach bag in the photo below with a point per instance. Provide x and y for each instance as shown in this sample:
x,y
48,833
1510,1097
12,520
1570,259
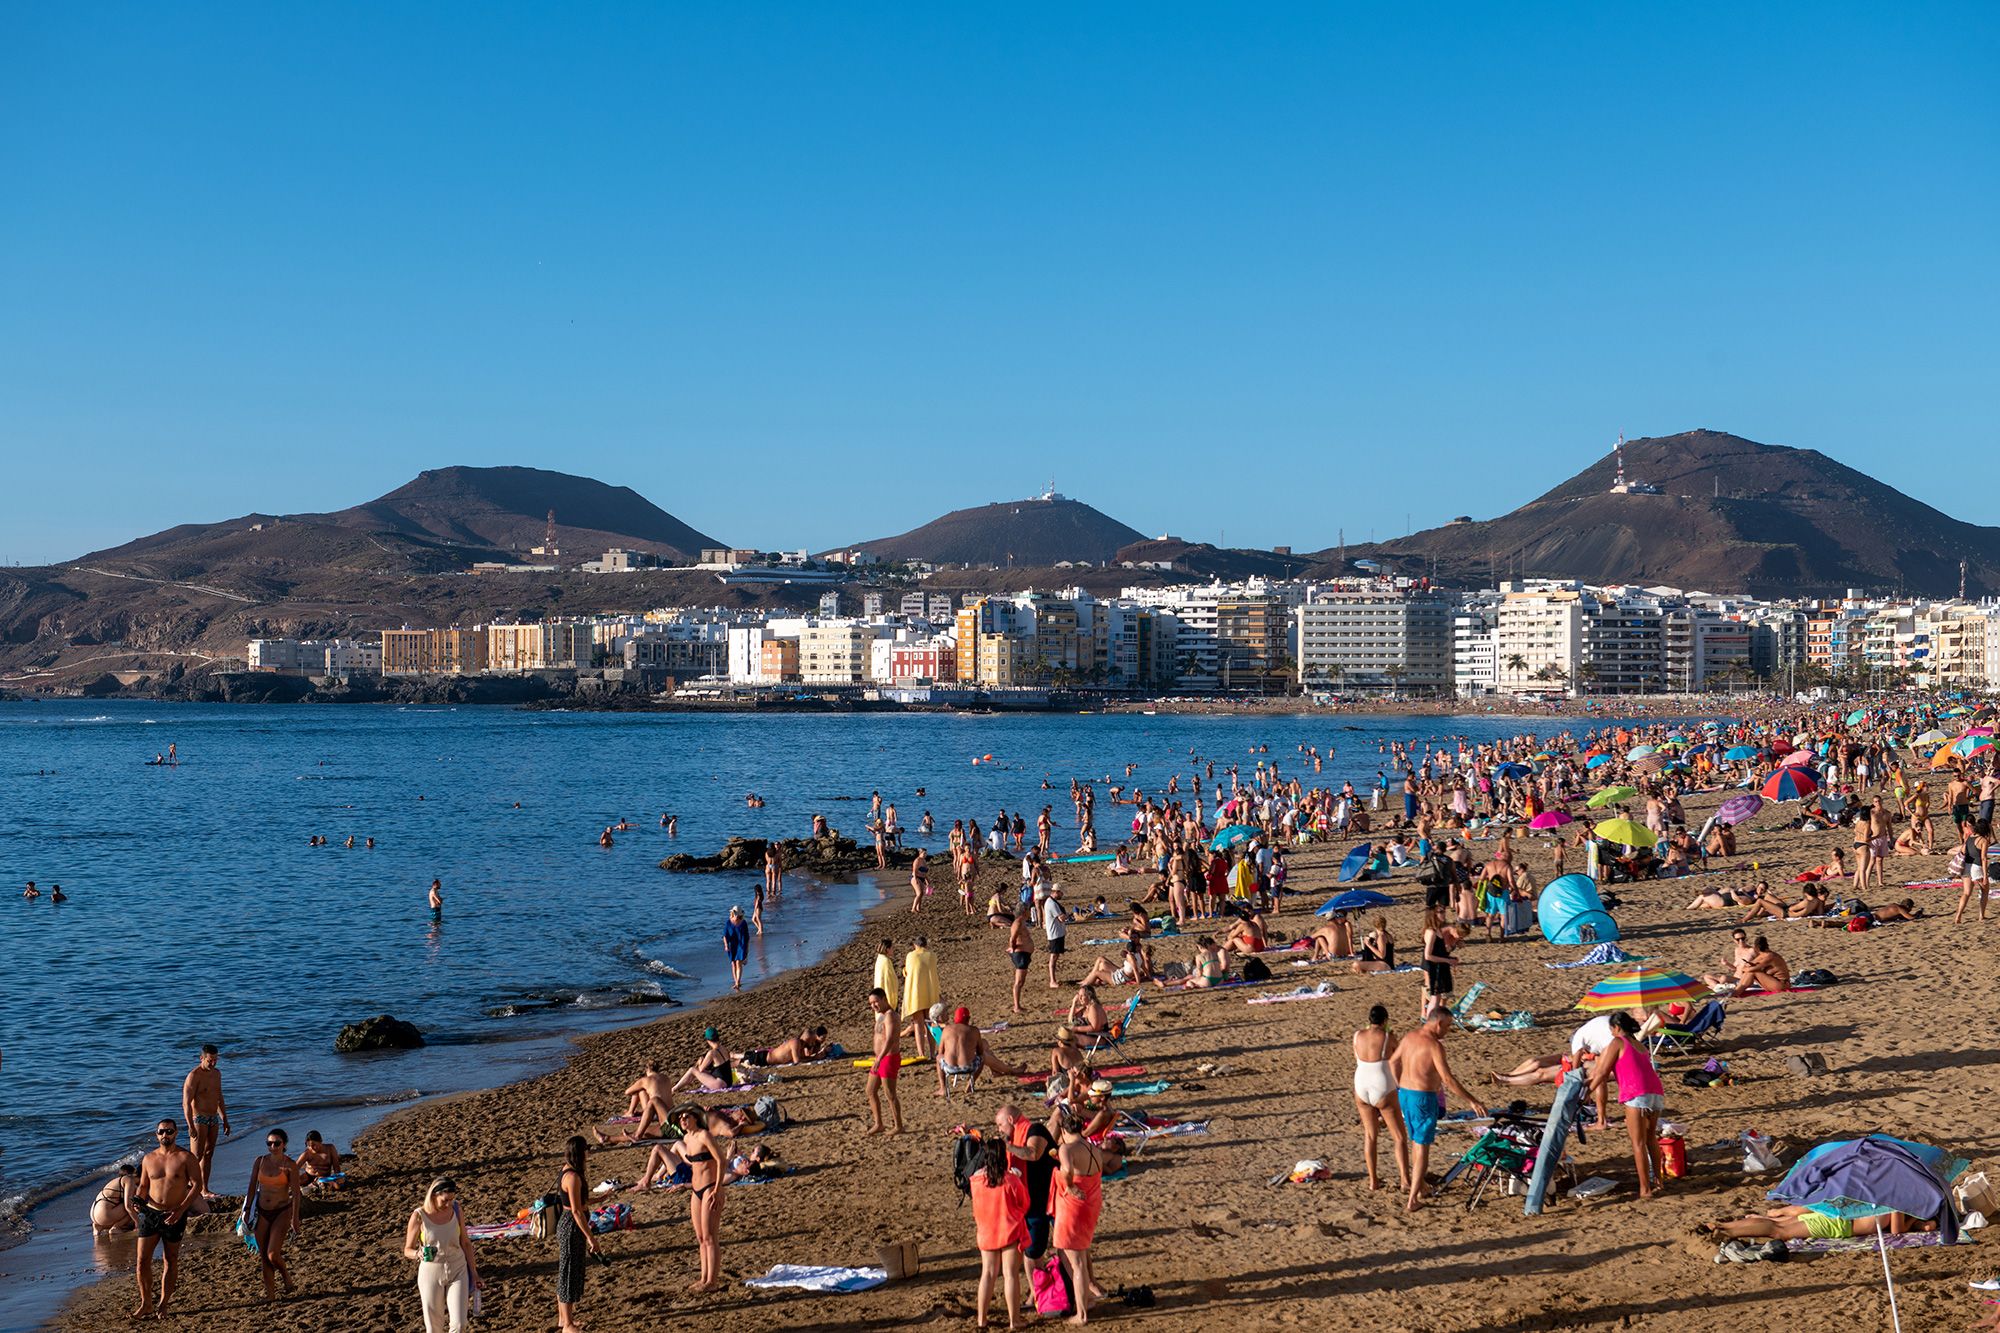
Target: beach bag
x,y
1256,969
767,1112
542,1225
1758,1154
1051,1286
965,1157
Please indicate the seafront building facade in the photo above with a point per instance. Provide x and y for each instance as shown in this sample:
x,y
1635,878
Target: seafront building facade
x,y
1351,637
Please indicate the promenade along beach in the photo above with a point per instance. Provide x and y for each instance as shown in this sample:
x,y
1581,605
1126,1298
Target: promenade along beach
x,y
198,912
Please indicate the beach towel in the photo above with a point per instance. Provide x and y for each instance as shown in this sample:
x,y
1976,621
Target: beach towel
x,y
1112,1071
1146,1089
1600,956
1319,992
1515,1022
1909,1240
814,1277
497,1230
1163,1129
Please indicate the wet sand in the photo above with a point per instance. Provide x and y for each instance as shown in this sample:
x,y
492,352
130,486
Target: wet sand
x,y
1906,1033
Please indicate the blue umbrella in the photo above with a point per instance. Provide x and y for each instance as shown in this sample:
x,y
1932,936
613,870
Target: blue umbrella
x,y
1354,900
1597,760
1229,837
1870,1177
1702,748
1356,862
1738,753
1511,771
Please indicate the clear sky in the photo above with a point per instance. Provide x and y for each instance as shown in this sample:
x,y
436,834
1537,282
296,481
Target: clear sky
x,y
811,273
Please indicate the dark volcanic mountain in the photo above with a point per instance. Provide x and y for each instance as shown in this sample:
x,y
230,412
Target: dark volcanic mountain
x,y
1732,516
1013,533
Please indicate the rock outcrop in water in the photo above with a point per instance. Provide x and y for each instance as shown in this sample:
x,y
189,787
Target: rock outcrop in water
x,y
831,856
383,1032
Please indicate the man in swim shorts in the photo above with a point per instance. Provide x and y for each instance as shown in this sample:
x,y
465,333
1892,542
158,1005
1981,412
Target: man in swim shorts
x,y
1020,952
170,1187
963,1053
888,1061
1422,1075
204,1109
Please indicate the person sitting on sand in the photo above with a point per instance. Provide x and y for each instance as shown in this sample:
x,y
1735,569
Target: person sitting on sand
x,y
811,1044
1794,1222
1137,966
1378,948
1814,903
1066,1059
1763,970
1721,840
963,1053
1247,936
651,1099
317,1160
1210,968
1086,1013
713,1071
1121,864
1334,939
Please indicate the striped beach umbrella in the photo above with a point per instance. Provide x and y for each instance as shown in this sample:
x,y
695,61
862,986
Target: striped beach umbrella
x,y
1790,784
1971,745
1640,751
1641,986
1738,808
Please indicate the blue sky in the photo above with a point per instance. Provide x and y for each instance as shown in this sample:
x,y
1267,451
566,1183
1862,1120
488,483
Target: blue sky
x,y
810,273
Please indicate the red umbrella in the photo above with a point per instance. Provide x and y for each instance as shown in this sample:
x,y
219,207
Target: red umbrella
x,y
1790,784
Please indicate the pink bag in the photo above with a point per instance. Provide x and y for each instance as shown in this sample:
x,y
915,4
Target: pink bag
x,y
1051,1286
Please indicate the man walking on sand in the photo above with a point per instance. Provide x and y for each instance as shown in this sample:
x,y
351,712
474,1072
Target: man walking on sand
x,y
1020,952
1422,1075
206,1113
170,1187
888,1061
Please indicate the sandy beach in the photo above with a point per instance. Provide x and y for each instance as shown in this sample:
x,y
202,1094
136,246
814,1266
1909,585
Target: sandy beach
x,y
1905,1033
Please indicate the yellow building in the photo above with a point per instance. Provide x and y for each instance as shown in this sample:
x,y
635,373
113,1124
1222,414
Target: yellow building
x,y
516,647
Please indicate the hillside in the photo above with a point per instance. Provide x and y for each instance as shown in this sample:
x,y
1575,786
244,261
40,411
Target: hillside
x,y
1733,516
1041,531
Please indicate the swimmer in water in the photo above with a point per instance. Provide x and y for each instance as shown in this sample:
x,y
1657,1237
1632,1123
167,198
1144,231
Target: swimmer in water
x,y
56,895
604,838
437,900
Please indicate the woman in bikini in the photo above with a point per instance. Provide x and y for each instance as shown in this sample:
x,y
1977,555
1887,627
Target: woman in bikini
x,y
707,1164
1375,1096
111,1210
274,1187
713,1071
1437,961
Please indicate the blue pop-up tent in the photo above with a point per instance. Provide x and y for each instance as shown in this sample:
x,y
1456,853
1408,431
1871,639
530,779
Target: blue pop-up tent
x,y
1571,912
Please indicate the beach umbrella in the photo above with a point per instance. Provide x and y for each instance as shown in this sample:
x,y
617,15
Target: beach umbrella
x,y
1610,796
1956,712
1872,1177
1356,862
1971,745
1738,808
1856,717
1798,759
1945,756
1702,748
1596,761
1736,754
1931,737
1783,746
1641,986
1676,737
1512,771
1231,836
1549,819
1627,832
1790,784
1975,731
1544,756
1354,900
1640,751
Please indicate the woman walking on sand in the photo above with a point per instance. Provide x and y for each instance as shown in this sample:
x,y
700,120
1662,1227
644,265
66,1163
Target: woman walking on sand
x,y
1640,1089
1375,1096
271,1205
447,1273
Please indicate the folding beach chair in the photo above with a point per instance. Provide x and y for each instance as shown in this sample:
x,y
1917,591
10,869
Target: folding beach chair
x,y
1121,1027
1466,1002
1682,1038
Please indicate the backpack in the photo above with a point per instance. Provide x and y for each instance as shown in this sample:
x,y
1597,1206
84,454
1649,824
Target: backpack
x,y
1256,969
766,1111
965,1163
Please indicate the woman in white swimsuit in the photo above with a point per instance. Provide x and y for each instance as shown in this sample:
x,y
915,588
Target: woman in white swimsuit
x,y
1375,1095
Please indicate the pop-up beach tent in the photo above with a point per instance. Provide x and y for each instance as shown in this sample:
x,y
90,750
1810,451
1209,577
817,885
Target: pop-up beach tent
x,y
1571,912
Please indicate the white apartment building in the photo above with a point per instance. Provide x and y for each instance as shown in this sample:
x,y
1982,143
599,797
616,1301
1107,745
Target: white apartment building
x,y
1374,639
1538,641
835,653
1472,664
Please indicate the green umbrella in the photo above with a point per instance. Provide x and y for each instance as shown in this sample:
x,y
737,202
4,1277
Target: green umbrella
x,y
1610,796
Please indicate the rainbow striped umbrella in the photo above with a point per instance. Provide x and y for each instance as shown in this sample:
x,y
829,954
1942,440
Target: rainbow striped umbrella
x,y
1641,986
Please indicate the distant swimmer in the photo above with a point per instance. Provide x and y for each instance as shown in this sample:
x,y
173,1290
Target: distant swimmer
x,y
349,844
437,900
369,845
56,895
172,755
673,826
604,838
31,891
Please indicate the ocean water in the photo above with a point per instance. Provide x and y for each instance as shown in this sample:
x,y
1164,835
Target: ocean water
x,y
198,912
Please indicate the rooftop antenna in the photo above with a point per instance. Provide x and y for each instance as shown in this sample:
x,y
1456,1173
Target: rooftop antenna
x,y
549,536
1961,580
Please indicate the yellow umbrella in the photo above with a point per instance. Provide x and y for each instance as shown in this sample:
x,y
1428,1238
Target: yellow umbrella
x,y
1627,832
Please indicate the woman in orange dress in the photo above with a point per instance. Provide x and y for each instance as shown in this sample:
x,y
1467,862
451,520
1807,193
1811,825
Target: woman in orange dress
x,y
1076,1198
1000,1212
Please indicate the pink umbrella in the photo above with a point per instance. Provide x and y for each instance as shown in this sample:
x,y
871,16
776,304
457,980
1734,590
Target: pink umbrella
x,y
1797,757
1976,731
1551,819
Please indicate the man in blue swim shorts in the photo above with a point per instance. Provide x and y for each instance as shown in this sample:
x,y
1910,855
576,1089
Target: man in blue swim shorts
x,y
1422,1075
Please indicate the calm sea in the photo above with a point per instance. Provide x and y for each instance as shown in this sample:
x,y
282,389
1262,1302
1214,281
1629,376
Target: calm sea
x,y
199,913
